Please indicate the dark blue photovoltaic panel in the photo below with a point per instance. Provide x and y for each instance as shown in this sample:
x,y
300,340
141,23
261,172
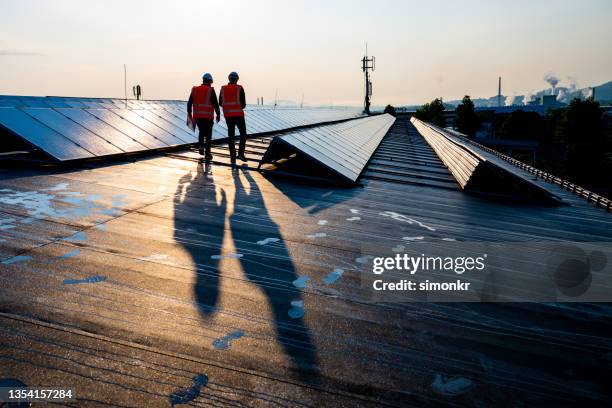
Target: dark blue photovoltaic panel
x,y
34,132
34,102
108,126
343,147
178,131
102,129
177,123
148,126
128,128
57,103
73,131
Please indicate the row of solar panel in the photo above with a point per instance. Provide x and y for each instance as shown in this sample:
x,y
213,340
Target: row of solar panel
x,y
344,147
76,133
63,102
16,101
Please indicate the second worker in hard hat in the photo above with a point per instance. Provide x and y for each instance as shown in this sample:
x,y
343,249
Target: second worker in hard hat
x,y
203,99
233,101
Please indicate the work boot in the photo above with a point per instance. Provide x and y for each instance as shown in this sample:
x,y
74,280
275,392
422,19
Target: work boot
x,y
209,157
242,157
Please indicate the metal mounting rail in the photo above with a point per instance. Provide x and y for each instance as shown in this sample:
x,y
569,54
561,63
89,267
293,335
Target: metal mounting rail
x,y
569,186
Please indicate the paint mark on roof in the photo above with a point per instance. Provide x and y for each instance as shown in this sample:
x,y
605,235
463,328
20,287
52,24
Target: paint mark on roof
x,y
70,254
16,259
297,309
225,342
57,187
353,219
267,241
155,257
185,395
79,236
403,218
322,222
451,386
364,259
91,279
227,256
317,235
333,276
300,282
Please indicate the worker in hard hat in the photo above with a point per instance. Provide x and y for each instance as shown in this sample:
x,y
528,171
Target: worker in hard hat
x,y
203,99
233,101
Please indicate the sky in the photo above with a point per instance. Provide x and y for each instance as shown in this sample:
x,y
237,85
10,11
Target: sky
x,y
310,49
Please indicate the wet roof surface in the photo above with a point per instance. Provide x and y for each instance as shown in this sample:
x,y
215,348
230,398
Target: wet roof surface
x,y
127,280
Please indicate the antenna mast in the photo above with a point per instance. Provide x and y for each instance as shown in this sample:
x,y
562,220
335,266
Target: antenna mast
x,y
367,64
125,83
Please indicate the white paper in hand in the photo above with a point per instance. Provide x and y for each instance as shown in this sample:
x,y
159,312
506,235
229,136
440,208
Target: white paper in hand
x,y
191,123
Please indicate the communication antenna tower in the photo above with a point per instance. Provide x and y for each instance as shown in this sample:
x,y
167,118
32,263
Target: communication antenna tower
x,y
367,64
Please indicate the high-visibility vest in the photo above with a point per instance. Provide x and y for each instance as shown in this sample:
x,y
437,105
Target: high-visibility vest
x,y
202,105
230,95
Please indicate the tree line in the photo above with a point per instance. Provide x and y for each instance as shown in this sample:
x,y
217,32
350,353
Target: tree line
x,y
581,133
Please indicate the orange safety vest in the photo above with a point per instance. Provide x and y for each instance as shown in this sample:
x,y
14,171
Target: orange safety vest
x,y
202,106
230,95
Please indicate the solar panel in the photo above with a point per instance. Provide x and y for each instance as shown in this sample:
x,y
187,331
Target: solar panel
x,y
345,147
34,132
93,104
148,127
178,123
128,128
102,129
9,102
76,104
178,131
92,127
34,102
73,131
57,103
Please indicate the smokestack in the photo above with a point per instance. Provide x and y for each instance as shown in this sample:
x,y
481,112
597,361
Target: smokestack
x,y
553,81
499,92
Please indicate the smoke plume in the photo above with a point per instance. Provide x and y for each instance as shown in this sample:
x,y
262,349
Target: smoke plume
x,y
553,81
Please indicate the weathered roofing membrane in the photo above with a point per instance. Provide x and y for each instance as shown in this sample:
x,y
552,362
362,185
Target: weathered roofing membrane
x,y
154,279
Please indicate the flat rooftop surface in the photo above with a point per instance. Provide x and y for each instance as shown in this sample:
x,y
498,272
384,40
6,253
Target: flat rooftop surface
x,y
132,281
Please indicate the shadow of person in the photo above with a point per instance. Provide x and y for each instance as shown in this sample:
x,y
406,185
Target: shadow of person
x,y
199,226
271,268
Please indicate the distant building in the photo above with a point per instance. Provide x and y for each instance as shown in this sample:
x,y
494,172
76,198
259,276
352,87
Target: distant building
x,y
550,102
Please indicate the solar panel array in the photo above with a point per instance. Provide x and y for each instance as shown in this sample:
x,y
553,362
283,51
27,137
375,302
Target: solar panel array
x,y
345,147
79,128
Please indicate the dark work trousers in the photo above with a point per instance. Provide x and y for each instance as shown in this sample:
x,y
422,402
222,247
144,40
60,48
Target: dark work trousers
x,y
205,127
231,133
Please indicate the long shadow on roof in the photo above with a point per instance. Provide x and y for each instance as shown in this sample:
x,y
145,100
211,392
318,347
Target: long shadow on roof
x,y
269,267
